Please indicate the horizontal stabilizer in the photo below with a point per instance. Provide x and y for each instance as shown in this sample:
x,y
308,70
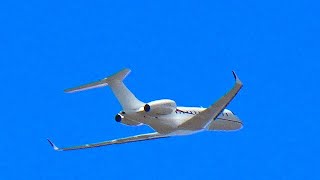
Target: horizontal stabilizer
x,y
93,85
101,83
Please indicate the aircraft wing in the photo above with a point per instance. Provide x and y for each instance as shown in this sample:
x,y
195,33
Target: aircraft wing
x,y
142,137
201,120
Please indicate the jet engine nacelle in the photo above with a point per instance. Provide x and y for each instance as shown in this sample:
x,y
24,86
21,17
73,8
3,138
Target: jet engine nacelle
x,y
124,120
161,107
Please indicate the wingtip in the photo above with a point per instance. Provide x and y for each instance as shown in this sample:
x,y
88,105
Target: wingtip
x,y
68,90
126,69
52,145
236,77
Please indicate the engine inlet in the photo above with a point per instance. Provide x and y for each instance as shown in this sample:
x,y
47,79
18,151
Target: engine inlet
x,y
118,118
147,108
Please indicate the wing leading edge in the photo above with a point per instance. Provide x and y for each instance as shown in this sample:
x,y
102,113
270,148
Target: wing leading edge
x,y
200,120
142,137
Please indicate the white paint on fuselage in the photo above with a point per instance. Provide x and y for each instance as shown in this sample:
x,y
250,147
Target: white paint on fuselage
x,y
168,124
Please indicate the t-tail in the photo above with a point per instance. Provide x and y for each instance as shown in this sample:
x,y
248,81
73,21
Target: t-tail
x,y
126,98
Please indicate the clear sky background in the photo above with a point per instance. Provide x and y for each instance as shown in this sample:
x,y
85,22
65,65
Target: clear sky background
x,y
182,50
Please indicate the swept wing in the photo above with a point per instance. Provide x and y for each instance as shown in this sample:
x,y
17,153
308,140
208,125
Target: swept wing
x,y
202,119
142,137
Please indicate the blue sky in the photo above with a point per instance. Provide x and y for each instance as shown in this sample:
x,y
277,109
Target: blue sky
x,y
182,50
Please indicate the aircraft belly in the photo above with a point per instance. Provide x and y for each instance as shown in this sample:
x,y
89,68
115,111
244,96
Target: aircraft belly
x,y
169,123
161,124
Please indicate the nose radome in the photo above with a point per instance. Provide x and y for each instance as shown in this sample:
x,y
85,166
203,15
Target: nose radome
x,y
227,111
227,121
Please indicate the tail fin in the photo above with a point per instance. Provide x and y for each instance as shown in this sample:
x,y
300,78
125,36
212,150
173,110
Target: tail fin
x,y
127,100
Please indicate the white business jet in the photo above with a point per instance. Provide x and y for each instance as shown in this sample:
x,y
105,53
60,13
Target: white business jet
x,y
164,116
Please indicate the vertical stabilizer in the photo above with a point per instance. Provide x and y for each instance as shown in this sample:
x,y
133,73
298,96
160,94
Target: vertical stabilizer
x,y
127,100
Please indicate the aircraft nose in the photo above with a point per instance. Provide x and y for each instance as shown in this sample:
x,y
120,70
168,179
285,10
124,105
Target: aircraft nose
x,y
227,121
236,122
225,125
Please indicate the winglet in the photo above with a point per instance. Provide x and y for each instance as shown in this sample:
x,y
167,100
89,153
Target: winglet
x,y
54,146
236,78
